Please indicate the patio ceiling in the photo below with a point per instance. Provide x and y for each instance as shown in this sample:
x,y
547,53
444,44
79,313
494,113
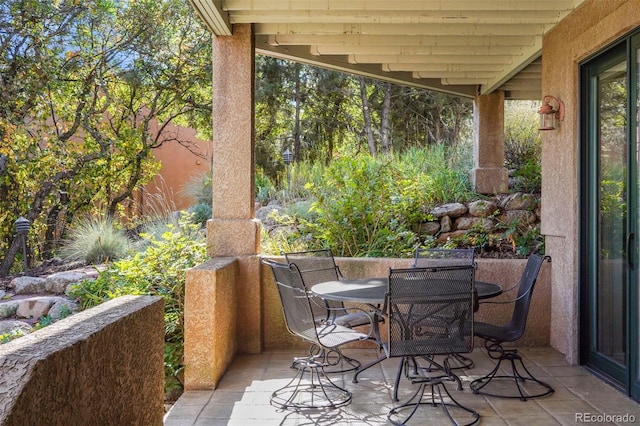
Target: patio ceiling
x,y
462,47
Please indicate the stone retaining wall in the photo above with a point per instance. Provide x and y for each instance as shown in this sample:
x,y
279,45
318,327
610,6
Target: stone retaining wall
x,y
102,366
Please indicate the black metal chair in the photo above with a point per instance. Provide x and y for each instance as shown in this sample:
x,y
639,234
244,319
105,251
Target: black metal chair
x,y
318,391
448,257
494,384
318,266
430,312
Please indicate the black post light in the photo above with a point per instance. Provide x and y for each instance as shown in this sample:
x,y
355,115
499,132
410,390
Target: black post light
x,y
287,157
22,229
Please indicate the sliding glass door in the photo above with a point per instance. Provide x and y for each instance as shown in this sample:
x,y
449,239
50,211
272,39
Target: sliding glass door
x,y
610,214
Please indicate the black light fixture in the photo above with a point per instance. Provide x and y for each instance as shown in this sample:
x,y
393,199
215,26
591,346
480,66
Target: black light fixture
x,y
22,229
549,114
287,157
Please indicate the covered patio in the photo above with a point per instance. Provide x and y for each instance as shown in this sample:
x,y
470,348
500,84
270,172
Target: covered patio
x,y
484,50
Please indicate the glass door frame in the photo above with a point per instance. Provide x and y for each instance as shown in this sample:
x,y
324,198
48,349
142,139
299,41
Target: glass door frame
x,y
627,376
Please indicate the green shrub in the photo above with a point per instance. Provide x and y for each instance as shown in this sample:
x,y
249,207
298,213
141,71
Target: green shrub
x,y
95,241
522,145
360,210
265,189
201,213
159,270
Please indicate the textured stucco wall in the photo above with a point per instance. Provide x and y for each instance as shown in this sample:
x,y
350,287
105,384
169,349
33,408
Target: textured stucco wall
x,y
102,366
591,27
503,272
233,230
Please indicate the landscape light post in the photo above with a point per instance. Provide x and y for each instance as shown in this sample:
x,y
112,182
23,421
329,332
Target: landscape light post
x,y
22,229
287,157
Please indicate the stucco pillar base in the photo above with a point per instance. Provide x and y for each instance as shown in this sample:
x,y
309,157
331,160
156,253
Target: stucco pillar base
x,y
490,180
233,237
210,322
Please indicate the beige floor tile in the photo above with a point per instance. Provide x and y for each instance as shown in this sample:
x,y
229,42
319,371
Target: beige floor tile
x,y
243,397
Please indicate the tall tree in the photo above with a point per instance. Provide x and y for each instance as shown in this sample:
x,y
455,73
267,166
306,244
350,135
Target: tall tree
x,y
366,114
100,78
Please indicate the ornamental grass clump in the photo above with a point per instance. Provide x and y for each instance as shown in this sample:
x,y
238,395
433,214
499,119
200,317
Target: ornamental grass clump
x,y
95,240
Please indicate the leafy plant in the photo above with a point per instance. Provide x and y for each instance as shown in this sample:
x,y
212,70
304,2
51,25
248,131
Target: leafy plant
x,y
522,145
158,270
358,210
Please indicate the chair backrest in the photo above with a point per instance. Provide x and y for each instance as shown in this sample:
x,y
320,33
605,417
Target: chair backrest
x,y
296,306
316,266
516,327
430,311
443,257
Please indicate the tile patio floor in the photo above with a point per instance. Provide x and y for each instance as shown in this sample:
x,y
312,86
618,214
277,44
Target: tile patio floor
x,y
242,398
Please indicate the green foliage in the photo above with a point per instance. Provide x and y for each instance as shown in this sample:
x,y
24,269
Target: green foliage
x,y
109,76
522,145
201,213
360,211
7,337
95,241
265,188
159,270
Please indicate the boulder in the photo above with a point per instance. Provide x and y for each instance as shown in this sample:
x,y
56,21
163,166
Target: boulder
x,y
57,283
8,309
451,210
28,285
479,223
429,228
62,309
445,224
519,201
482,208
524,217
35,307
14,326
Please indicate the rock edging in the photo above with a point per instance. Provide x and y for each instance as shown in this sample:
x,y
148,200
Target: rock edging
x,y
28,299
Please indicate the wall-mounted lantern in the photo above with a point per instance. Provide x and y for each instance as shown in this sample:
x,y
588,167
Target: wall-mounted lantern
x,y
549,114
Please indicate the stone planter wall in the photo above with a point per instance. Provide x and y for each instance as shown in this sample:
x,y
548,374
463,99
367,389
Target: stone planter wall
x,y
453,220
102,366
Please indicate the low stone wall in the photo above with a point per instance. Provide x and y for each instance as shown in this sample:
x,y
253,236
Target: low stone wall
x,y
102,366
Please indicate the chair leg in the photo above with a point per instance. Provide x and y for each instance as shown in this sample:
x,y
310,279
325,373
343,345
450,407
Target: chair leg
x,y
334,359
367,366
456,413
456,362
317,392
479,386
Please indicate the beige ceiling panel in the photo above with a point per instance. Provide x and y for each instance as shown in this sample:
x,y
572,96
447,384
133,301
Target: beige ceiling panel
x,y
462,47
397,40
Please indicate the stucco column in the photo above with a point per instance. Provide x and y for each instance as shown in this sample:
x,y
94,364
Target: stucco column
x,y
489,175
233,230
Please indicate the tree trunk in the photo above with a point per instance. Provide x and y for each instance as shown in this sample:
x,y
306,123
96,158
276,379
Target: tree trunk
x,y
386,111
8,260
366,112
296,129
